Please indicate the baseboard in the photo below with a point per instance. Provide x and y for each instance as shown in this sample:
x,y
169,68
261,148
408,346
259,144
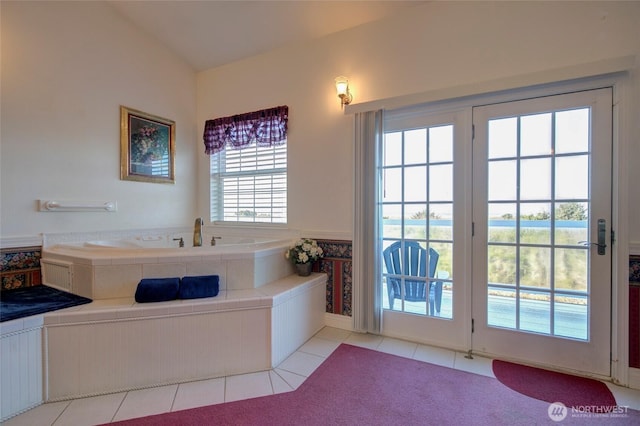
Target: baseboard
x,y
634,378
338,321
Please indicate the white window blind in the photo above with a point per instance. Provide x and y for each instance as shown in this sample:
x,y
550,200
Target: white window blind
x,y
249,185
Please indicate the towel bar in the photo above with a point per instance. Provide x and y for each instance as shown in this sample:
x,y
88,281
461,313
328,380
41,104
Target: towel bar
x,y
76,206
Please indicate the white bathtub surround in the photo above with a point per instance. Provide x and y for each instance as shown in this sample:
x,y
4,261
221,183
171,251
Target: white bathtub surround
x,y
147,237
115,345
20,365
262,314
110,265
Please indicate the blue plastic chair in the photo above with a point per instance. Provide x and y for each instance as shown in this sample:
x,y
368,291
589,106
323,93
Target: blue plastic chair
x,y
412,263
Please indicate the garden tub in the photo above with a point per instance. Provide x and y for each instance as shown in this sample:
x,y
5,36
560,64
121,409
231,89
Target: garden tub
x,y
110,265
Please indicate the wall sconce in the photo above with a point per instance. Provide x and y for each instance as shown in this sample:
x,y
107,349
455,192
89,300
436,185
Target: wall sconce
x,y
342,87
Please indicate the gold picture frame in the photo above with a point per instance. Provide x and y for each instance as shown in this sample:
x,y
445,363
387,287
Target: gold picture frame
x,y
147,147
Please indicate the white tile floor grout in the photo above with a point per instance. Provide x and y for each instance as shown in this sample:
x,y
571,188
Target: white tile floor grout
x,y
288,376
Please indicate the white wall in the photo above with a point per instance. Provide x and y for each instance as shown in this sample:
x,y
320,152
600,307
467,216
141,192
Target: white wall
x,y
66,69
67,66
436,46
319,136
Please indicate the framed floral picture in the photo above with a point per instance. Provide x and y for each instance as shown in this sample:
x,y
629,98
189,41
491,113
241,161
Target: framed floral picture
x,y
147,147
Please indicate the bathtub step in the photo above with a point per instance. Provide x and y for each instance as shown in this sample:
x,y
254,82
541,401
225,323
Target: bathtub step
x,y
116,345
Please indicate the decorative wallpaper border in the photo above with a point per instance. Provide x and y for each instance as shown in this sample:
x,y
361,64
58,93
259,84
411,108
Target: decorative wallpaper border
x,y
337,263
634,311
634,326
634,269
20,267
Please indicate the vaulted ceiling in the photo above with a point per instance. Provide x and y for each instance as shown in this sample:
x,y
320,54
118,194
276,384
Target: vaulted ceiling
x,y
207,34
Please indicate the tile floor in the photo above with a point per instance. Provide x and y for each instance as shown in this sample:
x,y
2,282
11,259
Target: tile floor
x,y
286,377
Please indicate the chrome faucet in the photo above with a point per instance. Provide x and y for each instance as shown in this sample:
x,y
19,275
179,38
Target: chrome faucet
x,y
197,232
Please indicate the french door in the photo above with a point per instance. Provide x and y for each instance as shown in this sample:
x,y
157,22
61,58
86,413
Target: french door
x,y
423,169
542,220
514,201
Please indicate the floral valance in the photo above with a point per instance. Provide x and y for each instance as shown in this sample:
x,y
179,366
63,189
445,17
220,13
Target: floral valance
x,y
267,127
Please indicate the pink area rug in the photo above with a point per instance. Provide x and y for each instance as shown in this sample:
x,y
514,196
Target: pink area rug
x,y
357,386
551,386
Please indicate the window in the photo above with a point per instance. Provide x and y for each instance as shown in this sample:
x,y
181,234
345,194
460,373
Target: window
x,y
248,166
249,184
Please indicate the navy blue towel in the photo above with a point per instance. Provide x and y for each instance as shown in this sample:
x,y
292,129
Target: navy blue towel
x,y
199,287
157,289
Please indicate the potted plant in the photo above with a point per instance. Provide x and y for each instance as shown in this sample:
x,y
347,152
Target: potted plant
x,y
303,253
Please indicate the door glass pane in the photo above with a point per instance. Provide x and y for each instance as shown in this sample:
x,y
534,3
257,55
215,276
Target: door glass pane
x,y
440,144
571,269
392,149
535,267
417,221
572,131
392,221
571,316
549,288
501,307
503,180
535,135
503,138
535,179
441,285
502,223
392,185
535,311
415,147
535,223
441,183
572,177
502,264
444,268
441,221
571,223
415,183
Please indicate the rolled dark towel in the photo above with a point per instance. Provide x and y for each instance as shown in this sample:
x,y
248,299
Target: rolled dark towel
x,y
157,289
199,287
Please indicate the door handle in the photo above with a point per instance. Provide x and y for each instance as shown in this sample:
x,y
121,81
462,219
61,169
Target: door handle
x,y
602,238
